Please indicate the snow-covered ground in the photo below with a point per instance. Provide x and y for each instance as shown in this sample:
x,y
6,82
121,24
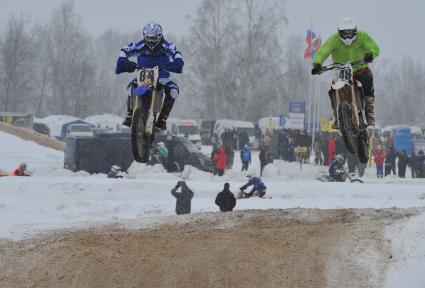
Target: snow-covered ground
x,y
57,198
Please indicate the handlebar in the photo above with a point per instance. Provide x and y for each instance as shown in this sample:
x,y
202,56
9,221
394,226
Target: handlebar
x,y
338,66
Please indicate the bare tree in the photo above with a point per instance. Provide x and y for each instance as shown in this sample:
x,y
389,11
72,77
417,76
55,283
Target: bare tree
x,y
16,55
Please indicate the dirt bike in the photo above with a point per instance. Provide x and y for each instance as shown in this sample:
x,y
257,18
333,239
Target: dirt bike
x,y
341,175
350,107
146,101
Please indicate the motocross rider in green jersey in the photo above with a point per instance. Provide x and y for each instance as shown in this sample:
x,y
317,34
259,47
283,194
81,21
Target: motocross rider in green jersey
x,y
350,44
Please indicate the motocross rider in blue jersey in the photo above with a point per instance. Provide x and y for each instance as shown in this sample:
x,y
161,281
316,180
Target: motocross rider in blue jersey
x,y
153,50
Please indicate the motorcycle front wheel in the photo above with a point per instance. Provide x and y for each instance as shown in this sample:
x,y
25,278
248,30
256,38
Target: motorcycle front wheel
x,y
140,141
346,127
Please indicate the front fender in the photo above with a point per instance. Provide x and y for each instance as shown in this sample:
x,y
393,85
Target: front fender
x,y
141,90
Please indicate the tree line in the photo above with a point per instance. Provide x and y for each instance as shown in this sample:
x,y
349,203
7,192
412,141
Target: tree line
x,y
236,66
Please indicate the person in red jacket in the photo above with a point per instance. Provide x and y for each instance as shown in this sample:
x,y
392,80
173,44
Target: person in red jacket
x,y
220,158
379,162
21,170
331,150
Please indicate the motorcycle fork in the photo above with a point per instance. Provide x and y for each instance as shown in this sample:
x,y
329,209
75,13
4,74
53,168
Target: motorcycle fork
x,y
337,106
150,121
354,105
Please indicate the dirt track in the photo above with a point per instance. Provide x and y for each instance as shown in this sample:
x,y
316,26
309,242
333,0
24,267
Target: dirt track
x,y
255,248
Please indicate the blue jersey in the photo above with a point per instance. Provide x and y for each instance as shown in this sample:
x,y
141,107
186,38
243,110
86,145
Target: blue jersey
x,y
256,181
166,56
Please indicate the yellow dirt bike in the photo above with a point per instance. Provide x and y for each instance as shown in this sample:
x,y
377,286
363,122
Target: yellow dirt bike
x,y
350,107
146,101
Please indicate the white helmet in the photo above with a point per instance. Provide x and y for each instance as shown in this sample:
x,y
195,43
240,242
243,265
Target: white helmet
x,y
116,168
347,30
340,159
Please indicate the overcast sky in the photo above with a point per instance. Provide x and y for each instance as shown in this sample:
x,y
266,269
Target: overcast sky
x,y
396,25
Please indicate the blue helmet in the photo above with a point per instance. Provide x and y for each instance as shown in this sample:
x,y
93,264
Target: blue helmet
x,y
152,34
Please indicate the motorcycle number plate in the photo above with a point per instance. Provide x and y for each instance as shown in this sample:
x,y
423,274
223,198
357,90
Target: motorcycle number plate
x,y
345,74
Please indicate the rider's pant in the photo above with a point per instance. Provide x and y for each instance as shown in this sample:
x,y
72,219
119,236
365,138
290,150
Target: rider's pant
x,y
365,77
171,89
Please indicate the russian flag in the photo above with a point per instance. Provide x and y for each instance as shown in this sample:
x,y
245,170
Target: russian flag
x,y
313,44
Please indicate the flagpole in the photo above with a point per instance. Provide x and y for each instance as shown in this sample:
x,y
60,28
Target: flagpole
x,y
309,94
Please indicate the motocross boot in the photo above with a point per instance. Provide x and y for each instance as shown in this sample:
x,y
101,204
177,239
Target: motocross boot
x,y
332,96
127,120
369,104
161,122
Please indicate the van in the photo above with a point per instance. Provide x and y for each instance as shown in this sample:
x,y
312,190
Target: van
x,y
184,127
240,126
79,130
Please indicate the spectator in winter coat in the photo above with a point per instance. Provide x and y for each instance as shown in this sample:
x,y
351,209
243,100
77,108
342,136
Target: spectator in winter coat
x,y
317,147
331,149
420,164
227,138
184,198
245,157
243,139
379,162
392,155
258,189
220,159
403,161
171,145
325,149
21,170
263,159
225,199
230,156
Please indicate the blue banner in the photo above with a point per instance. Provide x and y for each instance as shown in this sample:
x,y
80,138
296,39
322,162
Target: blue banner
x,y
296,107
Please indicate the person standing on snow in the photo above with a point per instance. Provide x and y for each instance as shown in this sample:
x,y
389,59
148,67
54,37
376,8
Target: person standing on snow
x,y
245,157
153,50
183,198
220,159
403,161
379,162
225,199
258,189
351,45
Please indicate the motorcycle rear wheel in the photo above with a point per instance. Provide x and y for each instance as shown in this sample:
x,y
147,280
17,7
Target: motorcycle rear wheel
x,y
347,128
140,141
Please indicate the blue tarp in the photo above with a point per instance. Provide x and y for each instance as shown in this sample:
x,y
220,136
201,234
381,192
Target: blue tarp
x,y
402,139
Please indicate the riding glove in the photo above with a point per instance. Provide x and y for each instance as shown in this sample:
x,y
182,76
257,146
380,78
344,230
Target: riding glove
x,y
368,58
316,69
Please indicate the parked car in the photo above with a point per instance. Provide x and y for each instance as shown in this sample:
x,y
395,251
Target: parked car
x,y
41,128
79,130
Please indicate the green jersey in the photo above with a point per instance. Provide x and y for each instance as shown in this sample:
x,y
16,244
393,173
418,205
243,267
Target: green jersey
x,y
342,53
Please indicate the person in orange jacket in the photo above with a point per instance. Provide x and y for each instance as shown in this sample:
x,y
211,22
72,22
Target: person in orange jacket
x,y
21,170
220,158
